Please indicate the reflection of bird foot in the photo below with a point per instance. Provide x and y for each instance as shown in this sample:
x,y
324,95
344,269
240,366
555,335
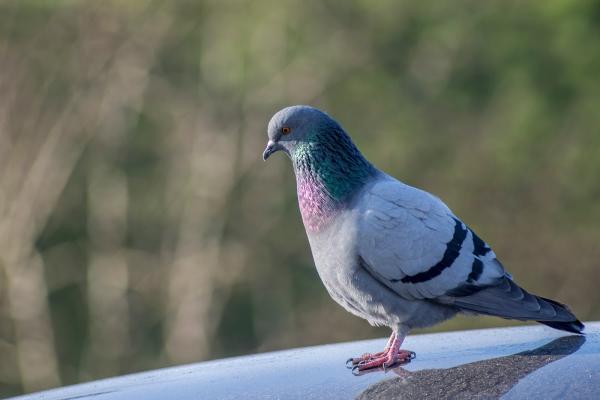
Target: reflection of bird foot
x,y
397,369
379,361
352,361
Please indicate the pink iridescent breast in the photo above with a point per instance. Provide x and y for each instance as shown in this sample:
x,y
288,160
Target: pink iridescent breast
x,y
316,206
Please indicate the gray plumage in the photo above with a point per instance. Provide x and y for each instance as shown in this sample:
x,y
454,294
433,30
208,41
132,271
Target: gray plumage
x,y
390,253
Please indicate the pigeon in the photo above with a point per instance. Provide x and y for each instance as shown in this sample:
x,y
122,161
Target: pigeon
x,y
388,252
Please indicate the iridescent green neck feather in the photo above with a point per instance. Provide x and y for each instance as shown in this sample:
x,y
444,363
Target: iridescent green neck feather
x,y
329,171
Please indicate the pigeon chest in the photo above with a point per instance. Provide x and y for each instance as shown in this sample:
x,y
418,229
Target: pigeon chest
x,y
336,259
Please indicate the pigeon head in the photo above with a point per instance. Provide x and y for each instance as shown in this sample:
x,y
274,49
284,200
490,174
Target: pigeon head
x,y
295,126
328,166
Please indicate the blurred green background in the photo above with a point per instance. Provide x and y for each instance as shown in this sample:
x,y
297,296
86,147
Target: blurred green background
x,y
141,229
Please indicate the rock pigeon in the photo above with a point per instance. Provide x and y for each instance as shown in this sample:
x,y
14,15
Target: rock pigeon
x,y
388,252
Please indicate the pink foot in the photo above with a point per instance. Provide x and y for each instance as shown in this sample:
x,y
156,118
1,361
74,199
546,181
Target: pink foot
x,y
391,356
370,356
385,361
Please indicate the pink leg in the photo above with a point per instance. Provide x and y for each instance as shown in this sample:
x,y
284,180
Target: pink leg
x,y
391,356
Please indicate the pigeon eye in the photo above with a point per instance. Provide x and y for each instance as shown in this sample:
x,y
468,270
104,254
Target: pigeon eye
x,y
285,130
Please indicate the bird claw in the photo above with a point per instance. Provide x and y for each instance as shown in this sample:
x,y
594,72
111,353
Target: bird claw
x,y
356,371
350,363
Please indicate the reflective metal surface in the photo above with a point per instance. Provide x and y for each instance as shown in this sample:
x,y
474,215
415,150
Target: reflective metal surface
x,y
512,363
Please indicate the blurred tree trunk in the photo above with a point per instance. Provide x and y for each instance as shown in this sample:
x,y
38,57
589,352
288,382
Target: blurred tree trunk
x,y
34,172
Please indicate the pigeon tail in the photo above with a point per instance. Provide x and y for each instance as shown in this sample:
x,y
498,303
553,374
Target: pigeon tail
x,y
508,300
574,326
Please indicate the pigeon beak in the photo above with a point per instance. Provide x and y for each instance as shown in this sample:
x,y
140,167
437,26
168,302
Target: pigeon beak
x,y
272,147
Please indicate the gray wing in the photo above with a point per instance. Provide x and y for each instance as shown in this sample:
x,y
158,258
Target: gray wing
x,y
412,243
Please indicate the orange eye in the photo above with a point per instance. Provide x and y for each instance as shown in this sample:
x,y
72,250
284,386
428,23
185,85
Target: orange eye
x,y
285,130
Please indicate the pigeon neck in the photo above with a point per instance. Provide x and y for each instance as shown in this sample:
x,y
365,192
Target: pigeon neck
x,y
328,173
